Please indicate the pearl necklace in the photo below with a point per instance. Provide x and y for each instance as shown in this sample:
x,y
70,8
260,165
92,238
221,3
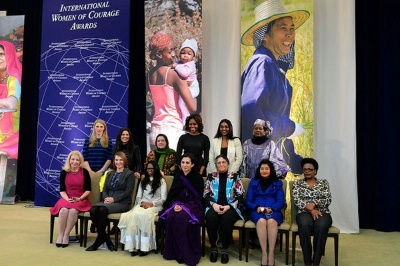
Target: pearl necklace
x,y
4,79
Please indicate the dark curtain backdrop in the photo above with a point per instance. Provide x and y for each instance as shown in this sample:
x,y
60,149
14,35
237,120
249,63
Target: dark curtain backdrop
x,y
378,114
377,106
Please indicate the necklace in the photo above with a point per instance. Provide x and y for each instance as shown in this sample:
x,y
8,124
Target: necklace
x,y
4,79
74,172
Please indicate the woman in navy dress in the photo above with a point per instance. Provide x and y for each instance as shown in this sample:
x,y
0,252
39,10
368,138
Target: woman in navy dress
x,y
265,199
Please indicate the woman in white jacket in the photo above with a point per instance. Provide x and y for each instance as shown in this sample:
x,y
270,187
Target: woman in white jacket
x,y
226,144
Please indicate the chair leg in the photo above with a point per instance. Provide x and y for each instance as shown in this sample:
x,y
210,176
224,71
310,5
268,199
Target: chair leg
x,y
51,228
293,248
85,232
240,243
287,247
116,234
247,244
336,240
81,223
280,241
203,240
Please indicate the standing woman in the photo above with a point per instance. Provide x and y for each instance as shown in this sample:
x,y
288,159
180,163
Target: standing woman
x,y
225,143
10,91
183,214
116,197
265,200
124,143
312,196
97,149
195,143
75,187
222,209
262,147
138,231
163,156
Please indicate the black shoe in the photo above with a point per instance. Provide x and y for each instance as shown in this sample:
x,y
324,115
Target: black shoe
x,y
142,253
134,253
110,245
92,248
93,228
58,245
224,258
64,245
214,256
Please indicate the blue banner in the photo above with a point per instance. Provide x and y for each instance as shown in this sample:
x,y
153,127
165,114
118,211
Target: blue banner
x,y
84,76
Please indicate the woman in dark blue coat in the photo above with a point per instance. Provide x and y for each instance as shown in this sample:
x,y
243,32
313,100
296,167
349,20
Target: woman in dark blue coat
x,y
265,199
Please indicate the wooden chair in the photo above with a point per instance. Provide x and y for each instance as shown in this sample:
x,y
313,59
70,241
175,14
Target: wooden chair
x,y
84,217
168,181
283,229
114,217
333,231
239,225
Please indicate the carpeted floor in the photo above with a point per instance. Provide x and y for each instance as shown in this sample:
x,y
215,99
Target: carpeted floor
x,y
25,241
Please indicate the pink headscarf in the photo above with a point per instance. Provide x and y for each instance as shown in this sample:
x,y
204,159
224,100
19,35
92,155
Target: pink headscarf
x,y
14,67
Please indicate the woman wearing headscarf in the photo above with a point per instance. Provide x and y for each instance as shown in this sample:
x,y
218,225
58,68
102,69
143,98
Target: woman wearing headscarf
x,y
163,156
10,91
262,147
266,92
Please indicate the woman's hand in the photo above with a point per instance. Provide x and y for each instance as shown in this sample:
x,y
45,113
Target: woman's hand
x,y
177,208
221,209
109,200
147,204
310,206
315,214
137,175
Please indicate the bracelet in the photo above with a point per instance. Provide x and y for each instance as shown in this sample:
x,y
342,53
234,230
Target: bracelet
x,y
80,199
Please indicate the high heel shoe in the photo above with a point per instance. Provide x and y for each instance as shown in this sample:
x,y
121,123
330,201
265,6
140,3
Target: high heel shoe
x,y
64,245
91,248
58,245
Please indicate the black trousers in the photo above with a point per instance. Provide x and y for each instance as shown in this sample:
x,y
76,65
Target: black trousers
x,y
224,222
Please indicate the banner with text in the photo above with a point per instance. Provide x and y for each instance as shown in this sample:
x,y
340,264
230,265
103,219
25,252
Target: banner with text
x,y
84,76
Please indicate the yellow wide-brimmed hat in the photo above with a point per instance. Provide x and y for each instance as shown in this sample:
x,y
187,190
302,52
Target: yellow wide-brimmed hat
x,y
269,11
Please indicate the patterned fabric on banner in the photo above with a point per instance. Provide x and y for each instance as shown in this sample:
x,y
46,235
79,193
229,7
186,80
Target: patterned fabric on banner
x,y
11,51
84,77
277,74
174,50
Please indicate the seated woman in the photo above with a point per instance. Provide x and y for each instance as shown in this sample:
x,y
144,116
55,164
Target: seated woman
x,y
138,231
222,208
163,156
117,197
75,186
312,196
183,214
265,199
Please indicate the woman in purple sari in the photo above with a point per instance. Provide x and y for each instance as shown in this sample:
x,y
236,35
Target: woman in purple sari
x,y
183,215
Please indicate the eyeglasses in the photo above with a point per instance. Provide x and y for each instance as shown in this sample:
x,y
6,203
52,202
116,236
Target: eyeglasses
x,y
222,162
308,169
150,169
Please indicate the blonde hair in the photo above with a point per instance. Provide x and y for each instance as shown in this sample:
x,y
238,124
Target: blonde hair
x,y
104,138
67,165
